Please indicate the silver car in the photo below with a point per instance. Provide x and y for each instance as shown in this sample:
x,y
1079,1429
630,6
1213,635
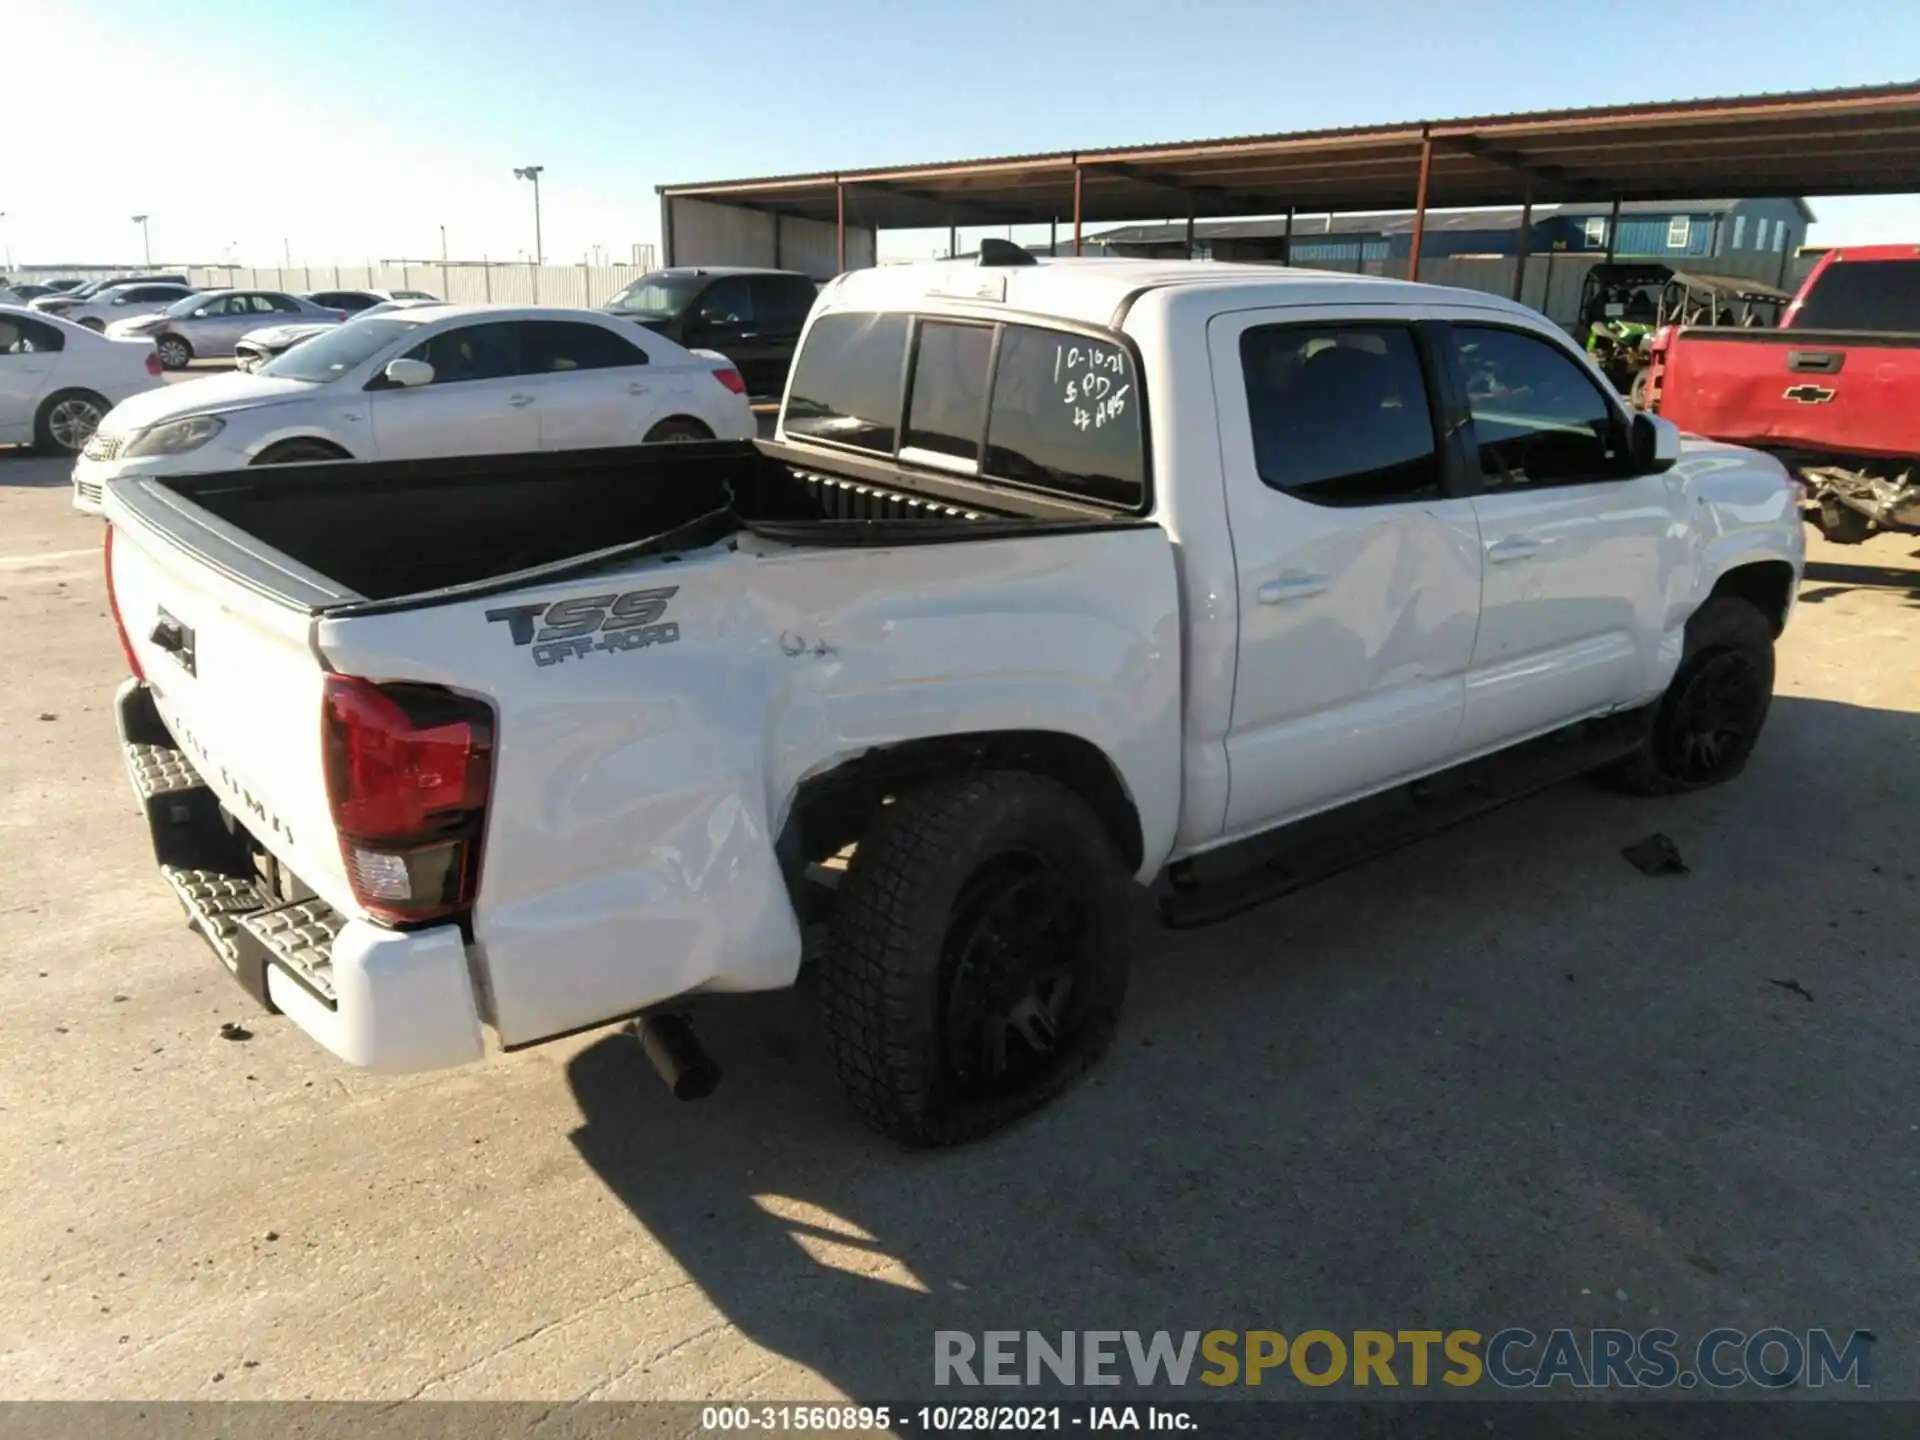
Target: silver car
x,y
208,325
257,347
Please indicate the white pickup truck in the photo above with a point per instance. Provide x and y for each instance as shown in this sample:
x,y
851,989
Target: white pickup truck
x,y
1055,576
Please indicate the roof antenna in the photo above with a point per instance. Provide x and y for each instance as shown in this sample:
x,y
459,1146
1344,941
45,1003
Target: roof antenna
x,y
1003,252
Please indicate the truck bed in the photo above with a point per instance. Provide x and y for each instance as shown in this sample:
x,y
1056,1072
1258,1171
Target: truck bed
x,y
337,538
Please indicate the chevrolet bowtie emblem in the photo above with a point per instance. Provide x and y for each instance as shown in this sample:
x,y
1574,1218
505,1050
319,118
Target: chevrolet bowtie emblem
x,y
1808,394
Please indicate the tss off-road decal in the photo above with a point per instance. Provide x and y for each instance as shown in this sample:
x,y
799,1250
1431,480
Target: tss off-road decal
x,y
585,624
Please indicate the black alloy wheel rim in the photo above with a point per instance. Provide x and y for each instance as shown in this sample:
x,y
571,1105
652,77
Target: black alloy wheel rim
x,y
1716,716
1013,972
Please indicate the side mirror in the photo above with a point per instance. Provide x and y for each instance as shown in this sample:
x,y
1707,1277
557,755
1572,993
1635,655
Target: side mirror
x,y
1653,444
409,374
118,300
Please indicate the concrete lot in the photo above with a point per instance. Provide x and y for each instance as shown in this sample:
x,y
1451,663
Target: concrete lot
x,y
1499,1078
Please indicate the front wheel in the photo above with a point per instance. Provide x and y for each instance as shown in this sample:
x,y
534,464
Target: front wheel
x,y
680,432
1710,718
978,958
299,452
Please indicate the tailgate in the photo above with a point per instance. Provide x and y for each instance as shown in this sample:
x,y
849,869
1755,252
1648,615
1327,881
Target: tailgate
x,y
1821,390
235,679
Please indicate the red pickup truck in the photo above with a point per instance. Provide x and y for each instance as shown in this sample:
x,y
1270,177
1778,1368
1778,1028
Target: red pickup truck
x,y
1834,392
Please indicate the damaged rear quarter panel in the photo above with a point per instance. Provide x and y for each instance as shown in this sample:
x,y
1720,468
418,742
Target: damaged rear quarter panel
x,y
638,789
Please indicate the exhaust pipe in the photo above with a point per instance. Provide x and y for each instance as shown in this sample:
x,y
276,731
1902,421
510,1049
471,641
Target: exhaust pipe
x,y
677,1056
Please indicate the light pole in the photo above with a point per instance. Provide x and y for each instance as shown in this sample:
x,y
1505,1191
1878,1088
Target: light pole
x,y
146,241
9,247
532,172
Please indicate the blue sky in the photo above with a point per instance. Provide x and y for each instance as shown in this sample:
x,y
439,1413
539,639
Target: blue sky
x,y
352,130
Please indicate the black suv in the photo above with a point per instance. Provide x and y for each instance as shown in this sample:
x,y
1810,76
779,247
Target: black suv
x,y
753,317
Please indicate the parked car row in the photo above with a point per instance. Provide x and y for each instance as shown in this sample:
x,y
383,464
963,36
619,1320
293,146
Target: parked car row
x,y
257,347
427,380
675,356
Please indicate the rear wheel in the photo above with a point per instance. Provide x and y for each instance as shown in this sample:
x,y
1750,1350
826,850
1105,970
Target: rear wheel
x,y
67,421
678,429
174,352
978,958
1711,716
299,452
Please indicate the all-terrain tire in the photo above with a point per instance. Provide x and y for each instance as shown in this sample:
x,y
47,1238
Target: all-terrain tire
x,y
1708,721
901,970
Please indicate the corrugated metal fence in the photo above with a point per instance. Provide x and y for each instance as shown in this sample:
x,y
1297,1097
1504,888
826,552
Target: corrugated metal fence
x,y
465,282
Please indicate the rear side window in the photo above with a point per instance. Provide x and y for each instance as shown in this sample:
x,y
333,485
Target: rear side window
x,y
20,336
782,301
846,382
1864,295
949,394
1340,413
557,346
1066,416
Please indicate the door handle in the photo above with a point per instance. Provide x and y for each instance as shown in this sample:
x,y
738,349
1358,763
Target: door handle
x,y
1292,587
1514,547
519,401
1816,362
636,389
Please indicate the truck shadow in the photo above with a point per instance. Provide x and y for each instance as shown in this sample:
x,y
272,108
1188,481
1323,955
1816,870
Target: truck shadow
x,y
27,468
1466,1085
1823,580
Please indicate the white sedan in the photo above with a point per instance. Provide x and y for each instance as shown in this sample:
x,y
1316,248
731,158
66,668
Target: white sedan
x,y
437,381
57,379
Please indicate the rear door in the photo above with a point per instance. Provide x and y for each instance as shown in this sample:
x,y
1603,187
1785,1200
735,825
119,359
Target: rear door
x,y
723,318
781,304
592,384
1577,554
481,401
29,350
1357,557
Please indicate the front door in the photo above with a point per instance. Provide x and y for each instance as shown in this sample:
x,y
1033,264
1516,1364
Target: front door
x,y
480,402
1358,564
1576,552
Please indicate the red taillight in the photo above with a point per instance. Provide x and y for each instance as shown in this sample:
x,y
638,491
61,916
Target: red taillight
x,y
113,609
154,367
730,378
408,771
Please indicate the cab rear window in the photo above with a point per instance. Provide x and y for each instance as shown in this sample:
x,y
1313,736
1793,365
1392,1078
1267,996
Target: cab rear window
x,y
1027,405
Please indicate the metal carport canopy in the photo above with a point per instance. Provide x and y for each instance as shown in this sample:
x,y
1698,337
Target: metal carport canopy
x,y
1832,142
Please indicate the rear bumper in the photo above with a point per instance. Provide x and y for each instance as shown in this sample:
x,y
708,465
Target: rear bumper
x,y
392,1001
